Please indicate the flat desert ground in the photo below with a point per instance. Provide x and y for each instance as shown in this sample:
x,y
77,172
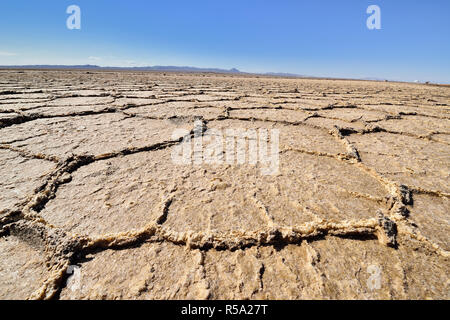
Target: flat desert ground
x,y
92,205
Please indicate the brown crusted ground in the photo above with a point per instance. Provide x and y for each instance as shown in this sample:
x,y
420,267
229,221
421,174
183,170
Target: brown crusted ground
x,y
87,180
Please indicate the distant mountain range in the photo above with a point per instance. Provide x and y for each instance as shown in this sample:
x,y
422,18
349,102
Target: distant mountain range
x,y
166,68
149,68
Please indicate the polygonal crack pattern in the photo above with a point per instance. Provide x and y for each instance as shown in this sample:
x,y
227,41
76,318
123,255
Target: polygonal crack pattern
x,y
92,206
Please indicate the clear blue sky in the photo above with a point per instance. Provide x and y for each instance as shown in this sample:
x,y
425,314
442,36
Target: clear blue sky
x,y
319,38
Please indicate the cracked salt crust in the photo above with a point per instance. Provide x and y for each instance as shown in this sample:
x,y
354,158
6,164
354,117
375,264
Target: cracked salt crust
x,y
87,180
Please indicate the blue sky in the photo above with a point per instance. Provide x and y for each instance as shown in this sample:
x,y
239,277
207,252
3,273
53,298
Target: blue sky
x,y
318,38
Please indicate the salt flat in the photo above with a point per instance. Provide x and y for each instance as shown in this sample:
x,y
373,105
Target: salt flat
x,y
92,205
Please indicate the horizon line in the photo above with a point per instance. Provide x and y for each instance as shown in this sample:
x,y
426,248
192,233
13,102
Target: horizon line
x,y
192,69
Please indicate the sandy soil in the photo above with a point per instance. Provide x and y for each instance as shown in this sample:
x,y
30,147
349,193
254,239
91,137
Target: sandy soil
x,y
93,207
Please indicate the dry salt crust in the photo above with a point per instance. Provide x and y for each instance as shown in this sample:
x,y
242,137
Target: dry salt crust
x,y
87,181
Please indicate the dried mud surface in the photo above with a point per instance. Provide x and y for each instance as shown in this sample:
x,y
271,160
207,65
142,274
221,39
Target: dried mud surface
x,y
359,208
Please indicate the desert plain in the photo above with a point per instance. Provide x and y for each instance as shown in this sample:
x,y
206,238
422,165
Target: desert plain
x,y
92,205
